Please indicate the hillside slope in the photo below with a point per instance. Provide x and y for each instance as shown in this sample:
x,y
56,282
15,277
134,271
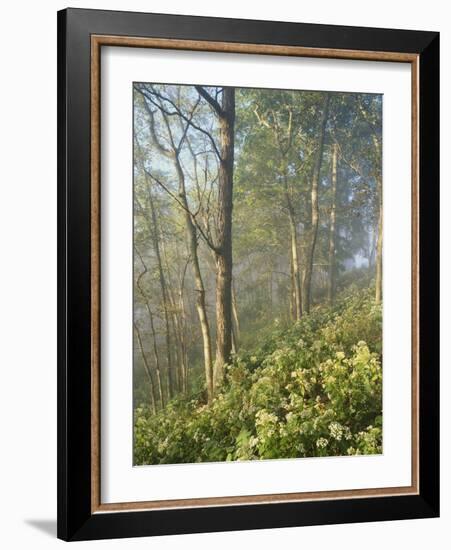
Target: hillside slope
x,y
312,389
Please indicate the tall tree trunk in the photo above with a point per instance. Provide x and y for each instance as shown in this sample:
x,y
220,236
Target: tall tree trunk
x,y
177,358
192,239
175,325
332,227
234,342
295,266
378,174
285,143
372,243
183,340
156,354
146,369
153,227
296,278
224,235
307,279
157,358
180,356
201,307
377,142
223,246
164,292
182,326
202,313
292,300
236,321
378,296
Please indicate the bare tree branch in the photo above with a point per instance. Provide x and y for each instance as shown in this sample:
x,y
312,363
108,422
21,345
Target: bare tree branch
x,y
177,112
166,152
179,202
212,101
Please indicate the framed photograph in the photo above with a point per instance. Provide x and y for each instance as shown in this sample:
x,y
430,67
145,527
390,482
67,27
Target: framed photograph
x,y
248,274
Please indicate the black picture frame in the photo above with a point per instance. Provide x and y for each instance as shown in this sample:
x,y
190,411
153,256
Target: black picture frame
x,y
75,518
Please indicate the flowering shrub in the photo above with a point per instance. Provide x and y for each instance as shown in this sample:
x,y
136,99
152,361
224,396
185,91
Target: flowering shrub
x,y
314,389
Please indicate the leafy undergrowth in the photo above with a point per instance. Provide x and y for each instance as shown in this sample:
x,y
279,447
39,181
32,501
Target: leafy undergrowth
x,y
314,389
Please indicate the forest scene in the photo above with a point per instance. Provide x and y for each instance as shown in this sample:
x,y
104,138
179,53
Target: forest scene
x,y
257,274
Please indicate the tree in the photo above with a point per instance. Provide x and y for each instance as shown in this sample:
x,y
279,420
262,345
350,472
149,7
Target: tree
x,y
223,248
222,244
154,231
156,353
378,296
173,153
146,368
332,226
279,120
313,232
371,114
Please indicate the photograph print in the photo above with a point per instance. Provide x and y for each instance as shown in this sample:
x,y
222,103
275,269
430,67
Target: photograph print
x,y
257,259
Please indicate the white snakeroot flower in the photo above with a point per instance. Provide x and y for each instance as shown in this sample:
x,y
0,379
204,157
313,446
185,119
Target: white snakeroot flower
x,y
336,430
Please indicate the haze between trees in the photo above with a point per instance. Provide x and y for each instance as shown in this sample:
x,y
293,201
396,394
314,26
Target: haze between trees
x,y
251,206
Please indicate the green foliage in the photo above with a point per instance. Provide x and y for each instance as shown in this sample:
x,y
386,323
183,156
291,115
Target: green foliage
x,y
312,389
